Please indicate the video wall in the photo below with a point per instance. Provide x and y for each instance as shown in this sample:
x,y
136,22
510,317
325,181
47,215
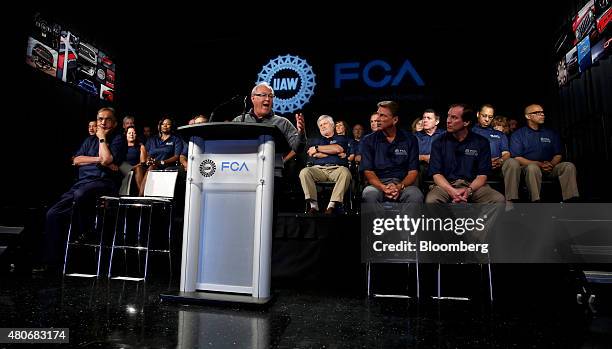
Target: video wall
x,y
586,41
57,51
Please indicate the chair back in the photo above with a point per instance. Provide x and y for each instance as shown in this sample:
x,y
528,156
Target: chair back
x,y
126,184
160,183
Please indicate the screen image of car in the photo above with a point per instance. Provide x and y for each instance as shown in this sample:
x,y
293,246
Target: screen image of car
x,y
41,57
106,93
87,70
88,53
88,86
110,78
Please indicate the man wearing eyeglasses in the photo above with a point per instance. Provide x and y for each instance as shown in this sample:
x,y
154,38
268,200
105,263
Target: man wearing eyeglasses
x,y
97,161
328,165
502,165
390,160
538,150
262,97
460,162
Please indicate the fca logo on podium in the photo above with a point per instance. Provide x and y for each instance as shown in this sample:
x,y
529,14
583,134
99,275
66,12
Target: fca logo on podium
x,y
390,76
234,166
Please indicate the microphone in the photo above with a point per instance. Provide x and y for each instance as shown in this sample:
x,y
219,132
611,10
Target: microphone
x,y
212,114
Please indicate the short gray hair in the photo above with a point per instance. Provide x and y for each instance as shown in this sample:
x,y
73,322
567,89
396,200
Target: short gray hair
x,y
325,117
263,83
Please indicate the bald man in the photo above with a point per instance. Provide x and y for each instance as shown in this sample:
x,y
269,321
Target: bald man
x,y
538,151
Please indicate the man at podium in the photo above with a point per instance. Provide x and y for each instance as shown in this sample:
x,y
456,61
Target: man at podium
x,y
262,97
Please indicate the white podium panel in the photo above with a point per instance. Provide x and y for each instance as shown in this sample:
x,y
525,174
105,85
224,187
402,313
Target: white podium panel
x,y
228,216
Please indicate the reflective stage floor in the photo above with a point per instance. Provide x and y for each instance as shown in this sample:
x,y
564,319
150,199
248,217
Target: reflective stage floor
x,y
125,314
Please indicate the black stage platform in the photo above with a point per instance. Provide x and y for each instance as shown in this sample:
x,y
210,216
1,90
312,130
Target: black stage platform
x,y
319,284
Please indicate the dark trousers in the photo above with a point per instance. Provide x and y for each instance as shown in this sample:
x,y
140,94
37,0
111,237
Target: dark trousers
x,y
83,195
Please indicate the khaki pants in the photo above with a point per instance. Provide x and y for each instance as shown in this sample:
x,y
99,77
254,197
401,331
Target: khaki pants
x,y
339,174
484,194
565,171
511,171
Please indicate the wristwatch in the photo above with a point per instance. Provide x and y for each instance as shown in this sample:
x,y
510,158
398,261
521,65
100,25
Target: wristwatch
x,y
317,147
471,191
162,162
102,140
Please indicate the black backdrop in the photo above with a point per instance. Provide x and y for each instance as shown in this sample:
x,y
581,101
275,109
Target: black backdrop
x,y
184,61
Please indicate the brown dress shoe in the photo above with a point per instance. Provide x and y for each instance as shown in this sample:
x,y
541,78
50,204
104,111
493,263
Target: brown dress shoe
x,y
329,211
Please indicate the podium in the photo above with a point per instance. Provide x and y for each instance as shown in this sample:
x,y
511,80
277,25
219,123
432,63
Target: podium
x,y
227,233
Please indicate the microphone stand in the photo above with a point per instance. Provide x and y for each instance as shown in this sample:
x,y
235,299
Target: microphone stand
x,y
212,114
244,109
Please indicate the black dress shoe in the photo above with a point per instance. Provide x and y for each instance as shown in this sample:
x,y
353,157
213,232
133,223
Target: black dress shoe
x,y
312,211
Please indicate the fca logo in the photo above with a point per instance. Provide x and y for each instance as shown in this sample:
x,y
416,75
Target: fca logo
x,y
351,71
233,166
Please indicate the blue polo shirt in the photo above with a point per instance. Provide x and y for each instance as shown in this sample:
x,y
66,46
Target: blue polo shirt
x,y
389,160
497,139
353,147
425,140
162,150
330,159
536,145
91,146
460,160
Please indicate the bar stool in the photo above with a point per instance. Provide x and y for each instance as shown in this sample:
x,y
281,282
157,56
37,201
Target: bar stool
x,y
158,194
103,204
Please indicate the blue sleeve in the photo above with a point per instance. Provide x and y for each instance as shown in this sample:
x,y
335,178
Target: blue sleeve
x,y
83,149
484,159
178,146
118,148
435,158
516,144
185,148
504,143
343,142
149,145
312,142
413,162
367,155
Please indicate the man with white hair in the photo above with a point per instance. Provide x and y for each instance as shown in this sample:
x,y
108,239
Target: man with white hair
x,y
262,97
328,166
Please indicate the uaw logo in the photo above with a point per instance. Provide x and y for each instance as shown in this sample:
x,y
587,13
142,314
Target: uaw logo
x,y
401,152
545,140
208,168
293,82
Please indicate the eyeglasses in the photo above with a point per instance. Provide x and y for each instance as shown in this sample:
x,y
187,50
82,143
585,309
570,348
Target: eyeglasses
x,y
539,112
264,95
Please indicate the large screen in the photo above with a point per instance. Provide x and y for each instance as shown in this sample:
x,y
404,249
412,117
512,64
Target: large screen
x,y
61,53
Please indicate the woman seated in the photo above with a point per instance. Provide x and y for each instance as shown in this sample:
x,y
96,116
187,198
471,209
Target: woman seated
x,y
136,156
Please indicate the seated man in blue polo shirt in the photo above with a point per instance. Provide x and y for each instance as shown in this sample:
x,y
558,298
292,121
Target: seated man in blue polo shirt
x,y
538,150
328,166
430,132
390,160
97,161
460,162
501,162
